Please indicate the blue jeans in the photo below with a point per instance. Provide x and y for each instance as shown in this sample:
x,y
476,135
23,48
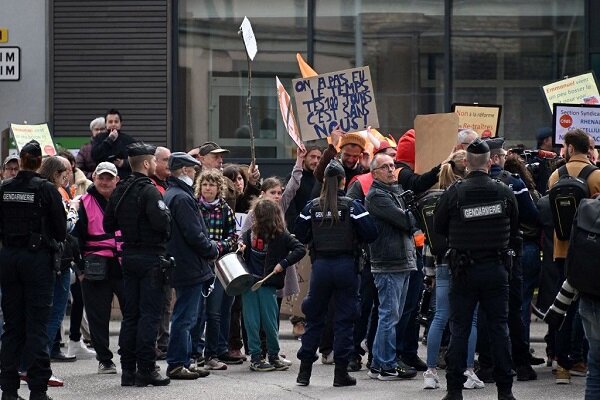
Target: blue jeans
x,y
218,314
189,304
532,267
590,316
391,288
62,287
440,319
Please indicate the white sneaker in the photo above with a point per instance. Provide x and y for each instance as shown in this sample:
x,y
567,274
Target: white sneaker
x,y
430,380
285,361
472,382
327,359
79,349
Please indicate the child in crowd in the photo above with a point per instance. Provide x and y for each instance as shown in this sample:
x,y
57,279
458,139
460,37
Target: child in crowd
x,y
220,223
267,247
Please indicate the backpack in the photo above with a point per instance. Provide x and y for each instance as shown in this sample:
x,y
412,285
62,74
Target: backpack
x,y
425,210
583,270
565,196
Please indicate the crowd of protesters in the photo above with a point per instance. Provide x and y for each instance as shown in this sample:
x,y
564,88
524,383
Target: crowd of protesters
x,y
146,225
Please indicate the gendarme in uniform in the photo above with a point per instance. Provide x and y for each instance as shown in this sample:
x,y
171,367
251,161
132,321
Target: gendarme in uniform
x,y
137,209
479,215
32,221
334,272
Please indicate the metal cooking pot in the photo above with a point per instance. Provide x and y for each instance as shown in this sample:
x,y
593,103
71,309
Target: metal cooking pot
x,y
231,271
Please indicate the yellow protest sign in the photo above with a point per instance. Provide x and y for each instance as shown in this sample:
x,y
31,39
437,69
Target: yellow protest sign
x,y
24,133
580,89
482,118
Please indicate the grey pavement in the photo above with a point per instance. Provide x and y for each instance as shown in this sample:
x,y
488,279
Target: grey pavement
x,y
238,382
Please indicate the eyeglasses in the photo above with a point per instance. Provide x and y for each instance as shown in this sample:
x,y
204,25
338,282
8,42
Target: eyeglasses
x,y
389,167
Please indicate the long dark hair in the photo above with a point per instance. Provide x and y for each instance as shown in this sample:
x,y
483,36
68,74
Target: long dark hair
x,y
514,164
268,220
329,195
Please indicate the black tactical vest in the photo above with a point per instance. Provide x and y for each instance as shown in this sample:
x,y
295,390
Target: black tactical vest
x,y
132,220
329,238
483,221
22,210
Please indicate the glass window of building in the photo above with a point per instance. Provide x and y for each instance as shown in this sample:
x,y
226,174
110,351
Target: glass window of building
x,y
502,52
213,72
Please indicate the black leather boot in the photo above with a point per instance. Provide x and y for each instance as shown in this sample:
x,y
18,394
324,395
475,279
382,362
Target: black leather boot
x,y
341,376
505,394
453,395
145,378
11,396
39,396
303,378
128,377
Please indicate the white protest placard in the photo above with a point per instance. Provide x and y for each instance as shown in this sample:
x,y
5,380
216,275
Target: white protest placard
x,y
580,89
249,39
239,222
287,113
25,133
482,118
575,116
343,98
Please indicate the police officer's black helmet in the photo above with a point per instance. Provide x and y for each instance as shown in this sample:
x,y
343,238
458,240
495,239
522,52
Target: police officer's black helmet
x,y
334,168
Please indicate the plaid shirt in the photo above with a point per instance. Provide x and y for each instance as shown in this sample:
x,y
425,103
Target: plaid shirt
x,y
220,223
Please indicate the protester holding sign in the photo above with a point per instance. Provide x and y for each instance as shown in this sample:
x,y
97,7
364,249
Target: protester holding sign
x,y
351,147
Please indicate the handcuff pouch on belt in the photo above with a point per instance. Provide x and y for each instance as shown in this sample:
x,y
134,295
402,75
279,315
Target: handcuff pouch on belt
x,y
459,261
167,264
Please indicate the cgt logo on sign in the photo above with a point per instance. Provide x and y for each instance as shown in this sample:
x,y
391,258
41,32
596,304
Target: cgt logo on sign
x,y
565,120
10,63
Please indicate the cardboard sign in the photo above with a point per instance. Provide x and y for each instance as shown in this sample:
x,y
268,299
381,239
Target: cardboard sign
x,y
580,89
287,113
24,133
343,97
435,137
249,39
575,116
293,304
482,118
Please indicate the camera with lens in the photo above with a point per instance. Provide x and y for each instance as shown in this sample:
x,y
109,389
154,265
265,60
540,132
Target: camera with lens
x,y
408,197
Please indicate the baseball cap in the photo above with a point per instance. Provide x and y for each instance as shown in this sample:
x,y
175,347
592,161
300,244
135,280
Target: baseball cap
x,y
106,167
211,147
12,157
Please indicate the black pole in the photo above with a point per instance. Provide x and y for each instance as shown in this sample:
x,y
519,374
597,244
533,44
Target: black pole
x,y
587,21
310,31
447,55
177,135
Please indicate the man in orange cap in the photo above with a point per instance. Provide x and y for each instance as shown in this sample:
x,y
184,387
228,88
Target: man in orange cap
x,y
352,146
